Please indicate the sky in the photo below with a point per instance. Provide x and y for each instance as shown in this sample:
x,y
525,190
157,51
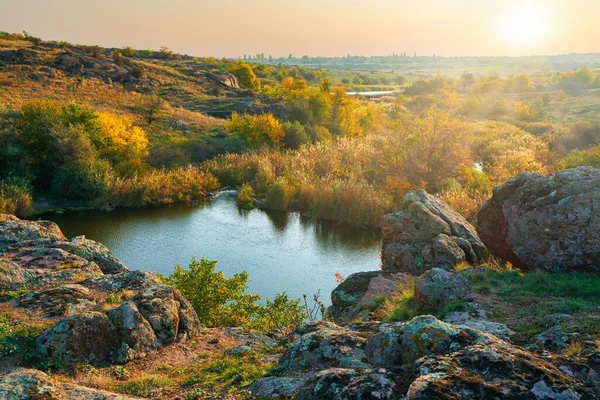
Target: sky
x,y
232,28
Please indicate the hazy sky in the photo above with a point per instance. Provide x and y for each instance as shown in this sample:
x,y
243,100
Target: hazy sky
x,y
316,27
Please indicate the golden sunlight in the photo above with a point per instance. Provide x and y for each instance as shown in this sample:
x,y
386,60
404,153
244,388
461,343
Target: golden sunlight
x,y
525,24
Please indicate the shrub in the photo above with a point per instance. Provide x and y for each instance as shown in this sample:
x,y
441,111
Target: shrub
x,y
218,301
15,197
257,130
245,197
83,181
245,75
162,187
221,301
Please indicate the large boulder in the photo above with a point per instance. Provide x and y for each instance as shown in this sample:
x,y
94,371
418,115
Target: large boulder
x,y
403,343
29,384
115,318
494,370
35,255
427,233
324,345
361,293
438,287
546,222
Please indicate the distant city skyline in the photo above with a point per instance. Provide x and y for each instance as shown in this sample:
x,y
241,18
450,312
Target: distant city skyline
x,y
232,28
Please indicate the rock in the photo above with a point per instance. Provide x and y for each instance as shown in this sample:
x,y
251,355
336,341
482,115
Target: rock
x,y
238,350
561,330
276,386
403,343
426,234
41,266
437,288
57,302
88,337
97,310
152,315
495,328
493,370
137,338
17,232
359,293
97,252
546,222
36,255
327,346
29,384
421,359
338,383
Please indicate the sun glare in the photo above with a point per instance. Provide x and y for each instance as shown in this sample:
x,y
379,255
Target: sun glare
x,y
525,24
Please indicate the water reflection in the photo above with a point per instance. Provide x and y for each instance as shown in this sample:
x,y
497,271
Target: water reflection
x,y
281,251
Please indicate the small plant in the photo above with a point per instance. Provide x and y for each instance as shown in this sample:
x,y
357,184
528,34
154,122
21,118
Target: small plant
x,y
574,348
120,372
454,306
316,311
485,288
377,302
114,298
87,369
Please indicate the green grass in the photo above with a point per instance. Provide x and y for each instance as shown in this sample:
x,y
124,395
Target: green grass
x,y
235,371
145,387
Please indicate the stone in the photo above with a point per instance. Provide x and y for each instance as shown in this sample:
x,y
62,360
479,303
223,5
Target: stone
x,y
438,287
493,370
426,234
17,232
359,294
547,222
339,383
404,343
322,346
465,318
276,386
29,384
89,337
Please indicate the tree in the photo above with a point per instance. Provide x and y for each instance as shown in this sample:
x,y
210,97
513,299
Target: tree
x,y
121,141
152,108
257,130
245,75
325,85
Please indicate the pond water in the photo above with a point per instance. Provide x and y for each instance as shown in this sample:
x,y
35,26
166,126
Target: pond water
x,y
281,251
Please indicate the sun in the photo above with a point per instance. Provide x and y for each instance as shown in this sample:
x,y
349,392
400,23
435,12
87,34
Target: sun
x,y
525,24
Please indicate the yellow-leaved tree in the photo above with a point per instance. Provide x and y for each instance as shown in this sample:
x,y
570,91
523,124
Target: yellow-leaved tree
x,y
123,143
257,130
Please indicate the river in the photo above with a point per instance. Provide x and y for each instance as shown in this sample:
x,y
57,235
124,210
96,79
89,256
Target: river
x,y
281,251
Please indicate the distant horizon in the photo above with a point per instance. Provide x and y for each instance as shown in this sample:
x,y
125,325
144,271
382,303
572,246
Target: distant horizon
x,y
325,28
298,56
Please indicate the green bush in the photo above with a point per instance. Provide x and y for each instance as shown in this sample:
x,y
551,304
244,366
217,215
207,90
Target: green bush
x,y
15,197
222,301
83,182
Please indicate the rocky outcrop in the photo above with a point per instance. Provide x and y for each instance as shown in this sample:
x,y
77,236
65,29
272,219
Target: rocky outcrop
x,y
360,294
36,255
426,234
421,359
98,311
546,222
29,384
